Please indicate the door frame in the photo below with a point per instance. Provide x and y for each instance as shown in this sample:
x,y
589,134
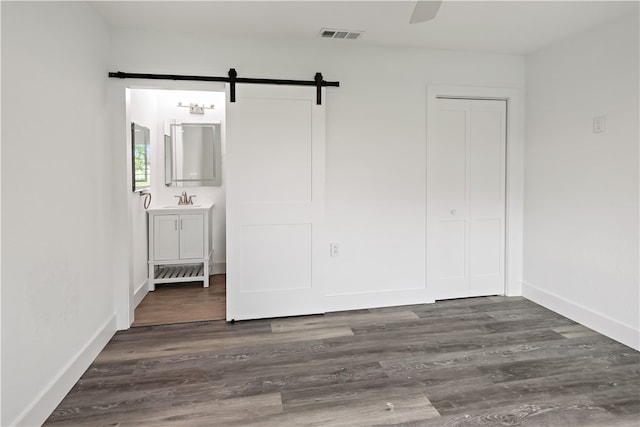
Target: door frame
x,y
123,283
514,177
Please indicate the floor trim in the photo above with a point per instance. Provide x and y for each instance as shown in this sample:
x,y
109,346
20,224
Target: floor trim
x,y
218,268
48,399
599,322
140,293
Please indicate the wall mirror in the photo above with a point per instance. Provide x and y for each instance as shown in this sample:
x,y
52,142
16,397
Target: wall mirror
x,y
193,155
140,157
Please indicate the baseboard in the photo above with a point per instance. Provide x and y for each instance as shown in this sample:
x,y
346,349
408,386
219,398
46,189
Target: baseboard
x,y
140,293
218,268
366,300
52,394
599,322
513,289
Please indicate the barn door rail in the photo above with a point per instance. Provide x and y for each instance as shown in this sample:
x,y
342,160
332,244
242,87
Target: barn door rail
x,y
232,78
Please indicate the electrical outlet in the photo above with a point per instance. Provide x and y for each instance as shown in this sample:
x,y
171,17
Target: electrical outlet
x,y
334,249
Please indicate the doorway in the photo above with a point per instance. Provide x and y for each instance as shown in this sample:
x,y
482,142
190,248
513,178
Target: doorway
x,y
466,197
162,111
183,302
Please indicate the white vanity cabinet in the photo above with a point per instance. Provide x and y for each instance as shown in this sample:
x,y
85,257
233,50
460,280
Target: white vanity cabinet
x,y
178,237
180,247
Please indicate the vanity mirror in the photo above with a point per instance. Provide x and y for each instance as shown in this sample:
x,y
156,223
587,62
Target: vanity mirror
x,y
193,155
140,157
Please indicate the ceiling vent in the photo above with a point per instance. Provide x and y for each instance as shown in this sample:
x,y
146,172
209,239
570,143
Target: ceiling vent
x,y
327,33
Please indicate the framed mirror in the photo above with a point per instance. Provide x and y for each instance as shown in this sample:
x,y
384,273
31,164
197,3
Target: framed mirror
x,y
193,155
140,157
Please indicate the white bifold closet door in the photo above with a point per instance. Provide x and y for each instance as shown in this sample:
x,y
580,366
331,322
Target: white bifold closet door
x,y
466,198
275,174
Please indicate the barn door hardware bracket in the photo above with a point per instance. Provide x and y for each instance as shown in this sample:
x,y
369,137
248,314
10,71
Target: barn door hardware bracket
x,y
233,79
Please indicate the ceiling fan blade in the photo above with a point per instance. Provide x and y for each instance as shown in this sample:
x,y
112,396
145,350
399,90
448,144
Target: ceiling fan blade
x,y
425,10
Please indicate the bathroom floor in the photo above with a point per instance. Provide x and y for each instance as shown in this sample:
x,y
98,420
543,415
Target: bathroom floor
x,y
183,302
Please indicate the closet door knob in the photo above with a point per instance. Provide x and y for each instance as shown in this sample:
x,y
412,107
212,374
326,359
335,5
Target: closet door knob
x,y
453,211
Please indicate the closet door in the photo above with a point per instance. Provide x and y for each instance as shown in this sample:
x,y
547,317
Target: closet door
x,y
466,198
275,162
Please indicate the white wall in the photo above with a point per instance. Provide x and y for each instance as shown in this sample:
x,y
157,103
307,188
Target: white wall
x,y
375,139
57,227
581,188
143,111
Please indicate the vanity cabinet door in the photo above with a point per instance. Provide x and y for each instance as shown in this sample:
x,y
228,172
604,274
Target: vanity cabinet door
x,y
191,236
166,237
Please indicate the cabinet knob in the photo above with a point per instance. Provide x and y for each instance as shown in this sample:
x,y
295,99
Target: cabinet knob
x,y
453,211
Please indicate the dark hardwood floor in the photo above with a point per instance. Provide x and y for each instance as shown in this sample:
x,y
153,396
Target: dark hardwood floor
x,y
183,302
491,361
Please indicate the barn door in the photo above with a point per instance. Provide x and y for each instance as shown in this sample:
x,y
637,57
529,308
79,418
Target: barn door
x,y
466,198
275,168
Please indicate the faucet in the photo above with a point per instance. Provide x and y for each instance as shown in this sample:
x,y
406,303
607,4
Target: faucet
x,y
184,199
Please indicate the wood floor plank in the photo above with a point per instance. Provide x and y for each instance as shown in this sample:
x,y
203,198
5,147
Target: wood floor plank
x,y
214,412
547,413
182,303
574,331
472,362
550,356
339,319
382,410
190,345
210,413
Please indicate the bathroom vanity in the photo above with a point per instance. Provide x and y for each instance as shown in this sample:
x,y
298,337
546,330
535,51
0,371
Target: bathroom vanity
x,y
180,244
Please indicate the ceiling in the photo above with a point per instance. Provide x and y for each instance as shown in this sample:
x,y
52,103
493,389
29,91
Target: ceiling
x,y
511,27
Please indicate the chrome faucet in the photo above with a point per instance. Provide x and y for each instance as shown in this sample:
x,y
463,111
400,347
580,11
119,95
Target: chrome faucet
x,y
184,199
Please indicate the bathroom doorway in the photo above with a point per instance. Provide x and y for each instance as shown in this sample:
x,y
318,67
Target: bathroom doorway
x,y
183,302
165,113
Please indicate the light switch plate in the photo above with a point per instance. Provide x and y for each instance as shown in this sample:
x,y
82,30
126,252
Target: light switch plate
x,y
599,124
334,249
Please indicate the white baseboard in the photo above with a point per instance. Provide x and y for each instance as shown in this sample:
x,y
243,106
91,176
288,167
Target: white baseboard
x,y
513,289
218,268
52,394
588,317
140,293
376,299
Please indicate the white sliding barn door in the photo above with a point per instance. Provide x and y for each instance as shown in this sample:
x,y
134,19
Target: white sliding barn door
x,y
466,198
275,168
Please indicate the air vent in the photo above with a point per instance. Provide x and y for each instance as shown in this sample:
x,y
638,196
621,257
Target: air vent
x,y
327,33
